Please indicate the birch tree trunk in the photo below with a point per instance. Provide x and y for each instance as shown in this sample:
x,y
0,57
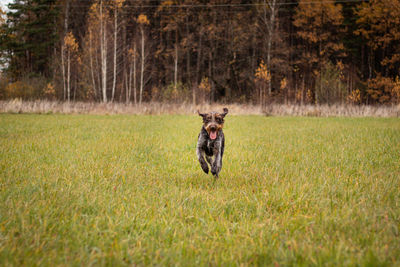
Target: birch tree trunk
x,y
134,74
103,48
68,75
63,48
129,87
176,60
188,63
115,52
271,27
91,62
198,66
141,68
63,70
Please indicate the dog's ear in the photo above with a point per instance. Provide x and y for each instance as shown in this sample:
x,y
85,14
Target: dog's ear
x,y
201,114
225,112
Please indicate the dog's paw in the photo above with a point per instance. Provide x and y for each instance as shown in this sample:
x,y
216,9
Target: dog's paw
x,y
214,171
205,167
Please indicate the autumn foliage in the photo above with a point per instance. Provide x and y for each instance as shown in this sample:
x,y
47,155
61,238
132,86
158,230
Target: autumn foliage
x,y
259,52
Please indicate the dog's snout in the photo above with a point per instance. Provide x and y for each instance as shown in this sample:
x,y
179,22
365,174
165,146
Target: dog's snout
x,y
213,127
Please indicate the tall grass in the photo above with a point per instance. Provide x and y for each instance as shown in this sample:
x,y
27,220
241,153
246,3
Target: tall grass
x,y
127,190
158,108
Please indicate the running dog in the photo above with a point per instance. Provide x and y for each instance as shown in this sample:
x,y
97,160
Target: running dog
x,y
211,141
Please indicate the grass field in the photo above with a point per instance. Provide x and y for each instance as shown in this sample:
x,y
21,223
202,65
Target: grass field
x,y
128,190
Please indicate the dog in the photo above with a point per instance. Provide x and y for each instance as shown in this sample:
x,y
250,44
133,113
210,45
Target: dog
x,y
211,141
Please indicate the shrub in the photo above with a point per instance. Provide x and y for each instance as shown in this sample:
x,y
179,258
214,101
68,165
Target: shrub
x,y
27,88
205,89
354,97
329,86
176,93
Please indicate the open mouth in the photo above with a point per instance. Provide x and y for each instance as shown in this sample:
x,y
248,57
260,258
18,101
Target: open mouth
x,y
213,135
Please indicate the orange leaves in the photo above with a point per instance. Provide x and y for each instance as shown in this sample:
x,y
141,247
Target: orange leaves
x,y
143,20
167,3
396,90
354,97
119,3
262,72
132,53
283,84
319,23
379,22
72,47
318,14
384,89
262,79
49,91
70,42
205,85
379,25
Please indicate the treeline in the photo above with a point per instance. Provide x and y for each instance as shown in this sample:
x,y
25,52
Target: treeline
x,y
196,51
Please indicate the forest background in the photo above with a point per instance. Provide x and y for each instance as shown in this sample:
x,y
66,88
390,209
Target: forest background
x,y
202,51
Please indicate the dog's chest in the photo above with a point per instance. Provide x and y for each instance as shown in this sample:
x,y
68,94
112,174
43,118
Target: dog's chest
x,y
211,146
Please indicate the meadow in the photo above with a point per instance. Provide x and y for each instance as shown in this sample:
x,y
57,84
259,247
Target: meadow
x,y
128,190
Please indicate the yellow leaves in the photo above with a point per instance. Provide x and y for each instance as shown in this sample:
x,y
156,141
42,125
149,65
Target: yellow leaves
x,y
119,3
167,3
309,96
379,23
132,53
93,8
396,90
340,65
142,19
384,89
205,85
262,72
319,24
283,83
93,14
317,14
49,91
354,97
101,12
391,62
70,42
299,95
340,68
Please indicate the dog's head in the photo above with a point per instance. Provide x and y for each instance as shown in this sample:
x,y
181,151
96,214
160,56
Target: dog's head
x,y
213,122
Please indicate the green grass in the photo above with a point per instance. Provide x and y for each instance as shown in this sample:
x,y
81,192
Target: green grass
x,y
128,190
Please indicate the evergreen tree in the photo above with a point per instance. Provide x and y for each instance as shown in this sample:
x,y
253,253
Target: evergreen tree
x,y
30,36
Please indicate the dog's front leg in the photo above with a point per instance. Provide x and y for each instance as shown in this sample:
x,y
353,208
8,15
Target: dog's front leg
x,y
200,154
217,163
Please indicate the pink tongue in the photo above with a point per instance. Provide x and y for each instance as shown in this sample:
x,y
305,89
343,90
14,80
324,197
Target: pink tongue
x,y
213,135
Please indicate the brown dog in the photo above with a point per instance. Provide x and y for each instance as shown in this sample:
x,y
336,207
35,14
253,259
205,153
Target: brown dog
x,y
211,141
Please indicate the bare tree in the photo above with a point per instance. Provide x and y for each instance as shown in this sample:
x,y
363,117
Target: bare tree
x,y
103,49
117,5
71,48
268,19
63,47
143,21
